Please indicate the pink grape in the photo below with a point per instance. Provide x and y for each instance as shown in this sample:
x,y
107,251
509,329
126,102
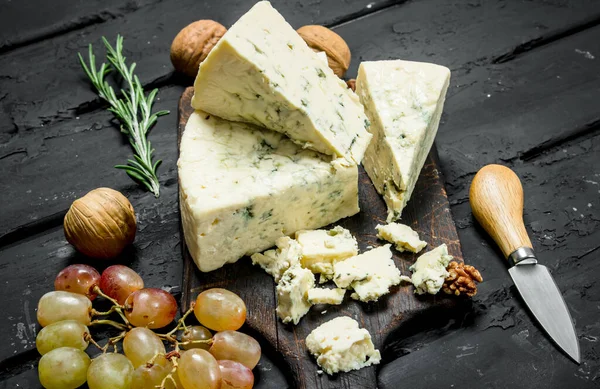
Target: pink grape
x,y
235,375
79,279
220,310
236,346
119,282
150,307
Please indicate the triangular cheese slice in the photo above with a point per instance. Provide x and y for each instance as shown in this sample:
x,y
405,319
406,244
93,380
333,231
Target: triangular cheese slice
x,y
262,72
404,102
242,187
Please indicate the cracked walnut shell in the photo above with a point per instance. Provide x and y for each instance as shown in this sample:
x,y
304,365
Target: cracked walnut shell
x,y
461,279
321,38
192,45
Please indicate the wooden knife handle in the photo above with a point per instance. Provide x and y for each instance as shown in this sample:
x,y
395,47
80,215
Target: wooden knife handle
x,y
496,198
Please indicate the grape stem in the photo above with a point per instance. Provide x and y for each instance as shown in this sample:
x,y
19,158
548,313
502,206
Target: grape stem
x,y
169,376
89,338
180,325
115,308
113,323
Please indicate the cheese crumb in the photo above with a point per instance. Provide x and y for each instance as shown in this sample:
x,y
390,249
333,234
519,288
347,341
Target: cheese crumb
x,y
339,345
430,271
276,262
370,274
292,290
322,248
404,237
326,296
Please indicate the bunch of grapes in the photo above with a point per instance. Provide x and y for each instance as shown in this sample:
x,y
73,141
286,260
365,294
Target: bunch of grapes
x,y
195,358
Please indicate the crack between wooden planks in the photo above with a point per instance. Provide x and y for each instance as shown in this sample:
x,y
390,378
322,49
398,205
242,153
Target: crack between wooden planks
x,y
544,40
583,132
17,364
76,24
370,9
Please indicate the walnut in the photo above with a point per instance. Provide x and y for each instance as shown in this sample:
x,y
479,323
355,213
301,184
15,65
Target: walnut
x,y
192,45
351,84
461,279
101,223
321,38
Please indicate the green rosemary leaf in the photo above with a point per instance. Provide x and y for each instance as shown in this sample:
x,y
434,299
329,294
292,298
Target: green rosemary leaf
x,y
133,109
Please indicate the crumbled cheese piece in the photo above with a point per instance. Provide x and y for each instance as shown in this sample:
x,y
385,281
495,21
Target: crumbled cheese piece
x,y
339,345
370,274
404,237
262,72
276,262
404,101
322,248
243,187
292,291
430,271
326,296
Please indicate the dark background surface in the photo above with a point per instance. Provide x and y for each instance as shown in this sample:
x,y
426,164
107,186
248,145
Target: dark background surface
x,y
525,92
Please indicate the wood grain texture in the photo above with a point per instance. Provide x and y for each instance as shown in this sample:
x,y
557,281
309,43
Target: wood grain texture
x,y
428,213
496,198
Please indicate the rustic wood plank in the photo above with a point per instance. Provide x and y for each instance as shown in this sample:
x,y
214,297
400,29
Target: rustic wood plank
x,y
562,215
428,213
25,22
33,158
51,66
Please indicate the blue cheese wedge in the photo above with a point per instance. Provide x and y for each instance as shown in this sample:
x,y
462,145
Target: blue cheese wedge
x,y
243,187
404,237
262,72
404,102
370,274
322,248
276,262
340,345
326,296
292,294
430,271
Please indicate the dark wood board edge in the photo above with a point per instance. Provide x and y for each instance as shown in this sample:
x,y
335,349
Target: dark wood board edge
x,y
286,339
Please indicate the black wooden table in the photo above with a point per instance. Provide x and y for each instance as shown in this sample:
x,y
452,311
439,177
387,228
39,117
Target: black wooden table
x,y
525,92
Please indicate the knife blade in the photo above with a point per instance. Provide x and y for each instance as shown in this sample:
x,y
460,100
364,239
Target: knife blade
x,y
543,298
496,198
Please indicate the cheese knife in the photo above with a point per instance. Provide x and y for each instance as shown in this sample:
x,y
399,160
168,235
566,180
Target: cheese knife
x,y
496,198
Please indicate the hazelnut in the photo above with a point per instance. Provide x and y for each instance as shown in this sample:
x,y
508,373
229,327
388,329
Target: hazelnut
x,y
101,223
192,45
321,38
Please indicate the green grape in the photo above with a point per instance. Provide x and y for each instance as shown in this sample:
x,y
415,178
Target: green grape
x,y
59,305
195,333
140,345
65,333
110,371
220,310
236,346
235,375
63,368
148,376
198,369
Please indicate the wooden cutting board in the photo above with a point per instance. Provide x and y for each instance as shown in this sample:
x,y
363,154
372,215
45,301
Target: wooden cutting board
x,y
428,212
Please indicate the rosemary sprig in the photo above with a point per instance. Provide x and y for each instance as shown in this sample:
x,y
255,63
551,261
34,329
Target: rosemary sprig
x,y
133,109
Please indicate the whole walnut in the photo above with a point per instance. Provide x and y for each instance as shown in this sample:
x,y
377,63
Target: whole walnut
x,y
192,45
321,38
101,223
